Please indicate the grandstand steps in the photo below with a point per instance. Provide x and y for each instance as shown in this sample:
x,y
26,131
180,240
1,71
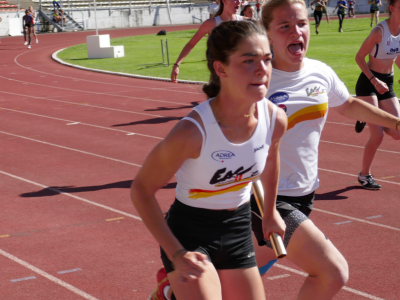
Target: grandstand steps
x,y
70,24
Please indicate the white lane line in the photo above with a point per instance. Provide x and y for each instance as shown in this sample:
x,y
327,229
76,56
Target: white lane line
x,y
95,93
84,104
355,146
23,279
278,277
69,271
47,275
380,180
72,196
72,149
357,292
344,222
374,217
100,82
356,219
86,124
74,123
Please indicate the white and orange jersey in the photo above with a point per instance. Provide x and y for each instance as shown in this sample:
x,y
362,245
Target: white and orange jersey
x,y
305,96
221,177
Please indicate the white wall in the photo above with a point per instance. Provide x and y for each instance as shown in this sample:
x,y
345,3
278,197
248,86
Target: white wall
x,y
4,28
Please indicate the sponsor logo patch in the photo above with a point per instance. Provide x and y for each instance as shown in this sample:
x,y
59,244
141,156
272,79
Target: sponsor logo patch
x,y
279,97
222,155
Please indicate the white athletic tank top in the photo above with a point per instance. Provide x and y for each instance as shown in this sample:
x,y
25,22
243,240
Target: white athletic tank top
x,y
389,47
221,177
219,21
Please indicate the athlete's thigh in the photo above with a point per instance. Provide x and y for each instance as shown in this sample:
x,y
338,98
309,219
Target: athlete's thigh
x,y
206,287
391,106
373,100
240,284
312,251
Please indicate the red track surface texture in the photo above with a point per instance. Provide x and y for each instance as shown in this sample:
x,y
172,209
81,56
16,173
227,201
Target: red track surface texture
x,y
72,141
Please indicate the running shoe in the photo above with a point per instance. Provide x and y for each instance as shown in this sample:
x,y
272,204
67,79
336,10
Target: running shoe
x,y
371,24
37,41
29,47
359,126
368,182
26,43
340,30
162,286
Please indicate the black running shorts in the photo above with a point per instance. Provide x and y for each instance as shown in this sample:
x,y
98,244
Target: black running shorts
x,y
317,16
223,235
365,88
293,210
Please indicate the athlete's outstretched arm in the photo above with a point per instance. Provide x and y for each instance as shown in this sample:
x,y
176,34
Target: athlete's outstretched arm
x,y
360,110
205,28
159,167
272,221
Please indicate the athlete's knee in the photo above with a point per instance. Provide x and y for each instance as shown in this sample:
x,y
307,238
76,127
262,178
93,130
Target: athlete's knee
x,y
338,274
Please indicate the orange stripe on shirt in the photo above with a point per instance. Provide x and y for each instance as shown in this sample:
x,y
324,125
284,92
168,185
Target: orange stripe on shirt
x,y
196,193
309,113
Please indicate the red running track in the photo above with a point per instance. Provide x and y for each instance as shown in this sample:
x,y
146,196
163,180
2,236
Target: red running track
x,y
72,141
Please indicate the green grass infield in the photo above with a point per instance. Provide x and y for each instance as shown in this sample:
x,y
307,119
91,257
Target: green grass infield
x,y
143,54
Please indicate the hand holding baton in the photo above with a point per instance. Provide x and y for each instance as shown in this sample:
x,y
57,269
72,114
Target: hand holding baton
x,y
276,240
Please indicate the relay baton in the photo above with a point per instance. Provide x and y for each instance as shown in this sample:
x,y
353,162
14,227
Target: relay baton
x,y
276,240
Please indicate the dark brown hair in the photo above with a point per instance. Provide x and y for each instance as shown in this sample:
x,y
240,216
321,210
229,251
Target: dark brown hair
x,y
222,43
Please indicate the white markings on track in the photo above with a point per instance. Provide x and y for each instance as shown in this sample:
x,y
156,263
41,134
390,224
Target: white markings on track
x,y
86,124
357,292
278,277
23,279
82,104
48,276
355,146
94,93
337,172
73,196
356,219
73,123
374,217
72,149
344,222
69,271
101,82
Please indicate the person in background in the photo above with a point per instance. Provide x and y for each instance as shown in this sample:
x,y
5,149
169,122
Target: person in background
x,y
258,8
214,7
352,4
227,12
341,8
27,23
319,7
375,85
248,11
374,10
33,14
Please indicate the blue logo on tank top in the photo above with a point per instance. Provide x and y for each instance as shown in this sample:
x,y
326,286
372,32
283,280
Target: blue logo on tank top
x,y
221,155
279,97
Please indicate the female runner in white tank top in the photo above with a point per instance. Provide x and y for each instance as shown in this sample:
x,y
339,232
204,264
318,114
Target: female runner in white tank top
x,y
227,12
220,146
375,85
